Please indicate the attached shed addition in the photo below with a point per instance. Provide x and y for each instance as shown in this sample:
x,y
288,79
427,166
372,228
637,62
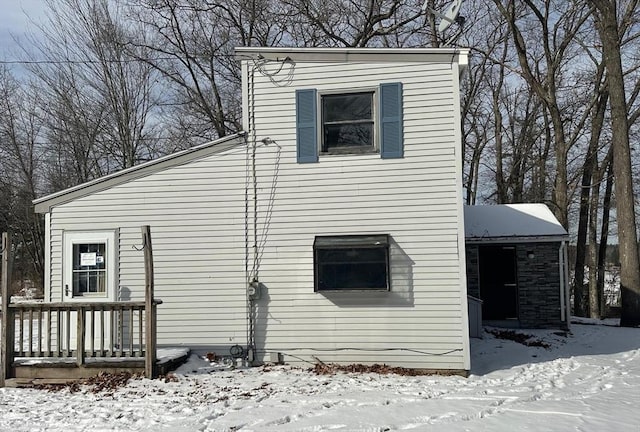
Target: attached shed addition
x,y
517,265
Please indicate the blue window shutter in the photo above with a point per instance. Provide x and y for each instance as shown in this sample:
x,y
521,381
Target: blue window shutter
x,y
306,126
391,121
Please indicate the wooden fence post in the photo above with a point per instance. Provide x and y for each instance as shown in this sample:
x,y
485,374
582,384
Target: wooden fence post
x,y
8,320
80,337
150,305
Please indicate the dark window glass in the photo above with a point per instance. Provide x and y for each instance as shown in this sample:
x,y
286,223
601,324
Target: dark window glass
x,y
89,268
337,108
348,265
348,135
347,121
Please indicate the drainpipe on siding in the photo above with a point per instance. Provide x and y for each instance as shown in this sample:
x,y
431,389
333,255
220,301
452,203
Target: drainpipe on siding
x,y
565,313
566,278
563,316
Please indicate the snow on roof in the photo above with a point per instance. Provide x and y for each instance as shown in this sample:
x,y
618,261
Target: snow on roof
x,y
511,221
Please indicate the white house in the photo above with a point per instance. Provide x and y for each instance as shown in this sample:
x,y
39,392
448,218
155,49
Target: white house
x,y
332,229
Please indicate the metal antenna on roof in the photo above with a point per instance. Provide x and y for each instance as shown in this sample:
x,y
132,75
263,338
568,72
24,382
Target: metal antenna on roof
x,y
450,16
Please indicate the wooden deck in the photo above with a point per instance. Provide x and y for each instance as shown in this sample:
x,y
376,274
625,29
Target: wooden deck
x,y
71,340
30,371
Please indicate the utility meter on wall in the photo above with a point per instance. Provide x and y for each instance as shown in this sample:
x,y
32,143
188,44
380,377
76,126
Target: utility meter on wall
x,y
253,290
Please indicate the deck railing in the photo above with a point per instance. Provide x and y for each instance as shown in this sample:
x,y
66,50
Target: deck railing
x,y
79,330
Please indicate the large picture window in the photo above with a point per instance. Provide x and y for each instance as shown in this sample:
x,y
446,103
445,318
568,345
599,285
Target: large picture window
x,y
356,262
348,123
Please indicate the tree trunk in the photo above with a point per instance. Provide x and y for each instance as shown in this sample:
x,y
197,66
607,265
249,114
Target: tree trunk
x,y
588,219
501,187
592,308
604,233
607,26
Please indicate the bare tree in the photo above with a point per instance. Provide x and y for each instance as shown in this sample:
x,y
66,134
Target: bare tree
x,y
190,43
543,34
484,93
357,23
611,33
99,100
20,164
589,204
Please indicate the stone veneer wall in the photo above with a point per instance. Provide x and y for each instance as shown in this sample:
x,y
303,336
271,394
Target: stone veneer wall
x,y
538,283
473,274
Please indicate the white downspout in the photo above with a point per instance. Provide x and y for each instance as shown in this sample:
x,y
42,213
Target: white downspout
x,y
565,313
566,278
563,316
47,258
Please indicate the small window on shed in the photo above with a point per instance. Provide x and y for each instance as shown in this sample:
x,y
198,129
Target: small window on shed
x,y
354,262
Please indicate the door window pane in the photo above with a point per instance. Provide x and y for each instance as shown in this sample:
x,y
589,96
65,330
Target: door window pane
x,y
89,268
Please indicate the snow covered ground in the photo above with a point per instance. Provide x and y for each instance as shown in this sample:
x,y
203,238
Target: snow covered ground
x,y
588,380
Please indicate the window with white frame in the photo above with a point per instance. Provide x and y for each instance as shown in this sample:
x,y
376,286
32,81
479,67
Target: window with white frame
x,y
348,124
89,268
352,262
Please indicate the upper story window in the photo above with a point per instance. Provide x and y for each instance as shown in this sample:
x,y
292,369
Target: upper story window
x,y
348,123
357,122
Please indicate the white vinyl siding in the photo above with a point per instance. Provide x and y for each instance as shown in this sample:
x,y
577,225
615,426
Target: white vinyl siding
x,y
197,216
198,249
413,199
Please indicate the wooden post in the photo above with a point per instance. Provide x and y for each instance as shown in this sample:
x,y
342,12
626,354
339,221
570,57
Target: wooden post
x,y
8,319
80,336
150,306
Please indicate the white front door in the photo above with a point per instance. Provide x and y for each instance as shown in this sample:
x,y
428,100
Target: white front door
x,y
89,276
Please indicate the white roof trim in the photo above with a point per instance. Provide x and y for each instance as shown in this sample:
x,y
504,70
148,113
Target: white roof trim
x,y
44,204
426,55
515,239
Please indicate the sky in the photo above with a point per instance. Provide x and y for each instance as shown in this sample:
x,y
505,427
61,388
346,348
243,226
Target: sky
x,y
15,21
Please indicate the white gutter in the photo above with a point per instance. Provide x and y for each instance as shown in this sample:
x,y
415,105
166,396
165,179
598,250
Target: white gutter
x,y
517,239
566,278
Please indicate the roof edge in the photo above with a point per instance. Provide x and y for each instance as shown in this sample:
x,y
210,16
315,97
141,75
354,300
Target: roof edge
x,y
355,54
517,239
44,204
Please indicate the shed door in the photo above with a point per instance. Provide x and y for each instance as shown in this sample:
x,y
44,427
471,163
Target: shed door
x,y
498,282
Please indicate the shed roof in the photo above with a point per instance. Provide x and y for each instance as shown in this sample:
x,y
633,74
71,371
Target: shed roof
x,y
510,222
44,204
